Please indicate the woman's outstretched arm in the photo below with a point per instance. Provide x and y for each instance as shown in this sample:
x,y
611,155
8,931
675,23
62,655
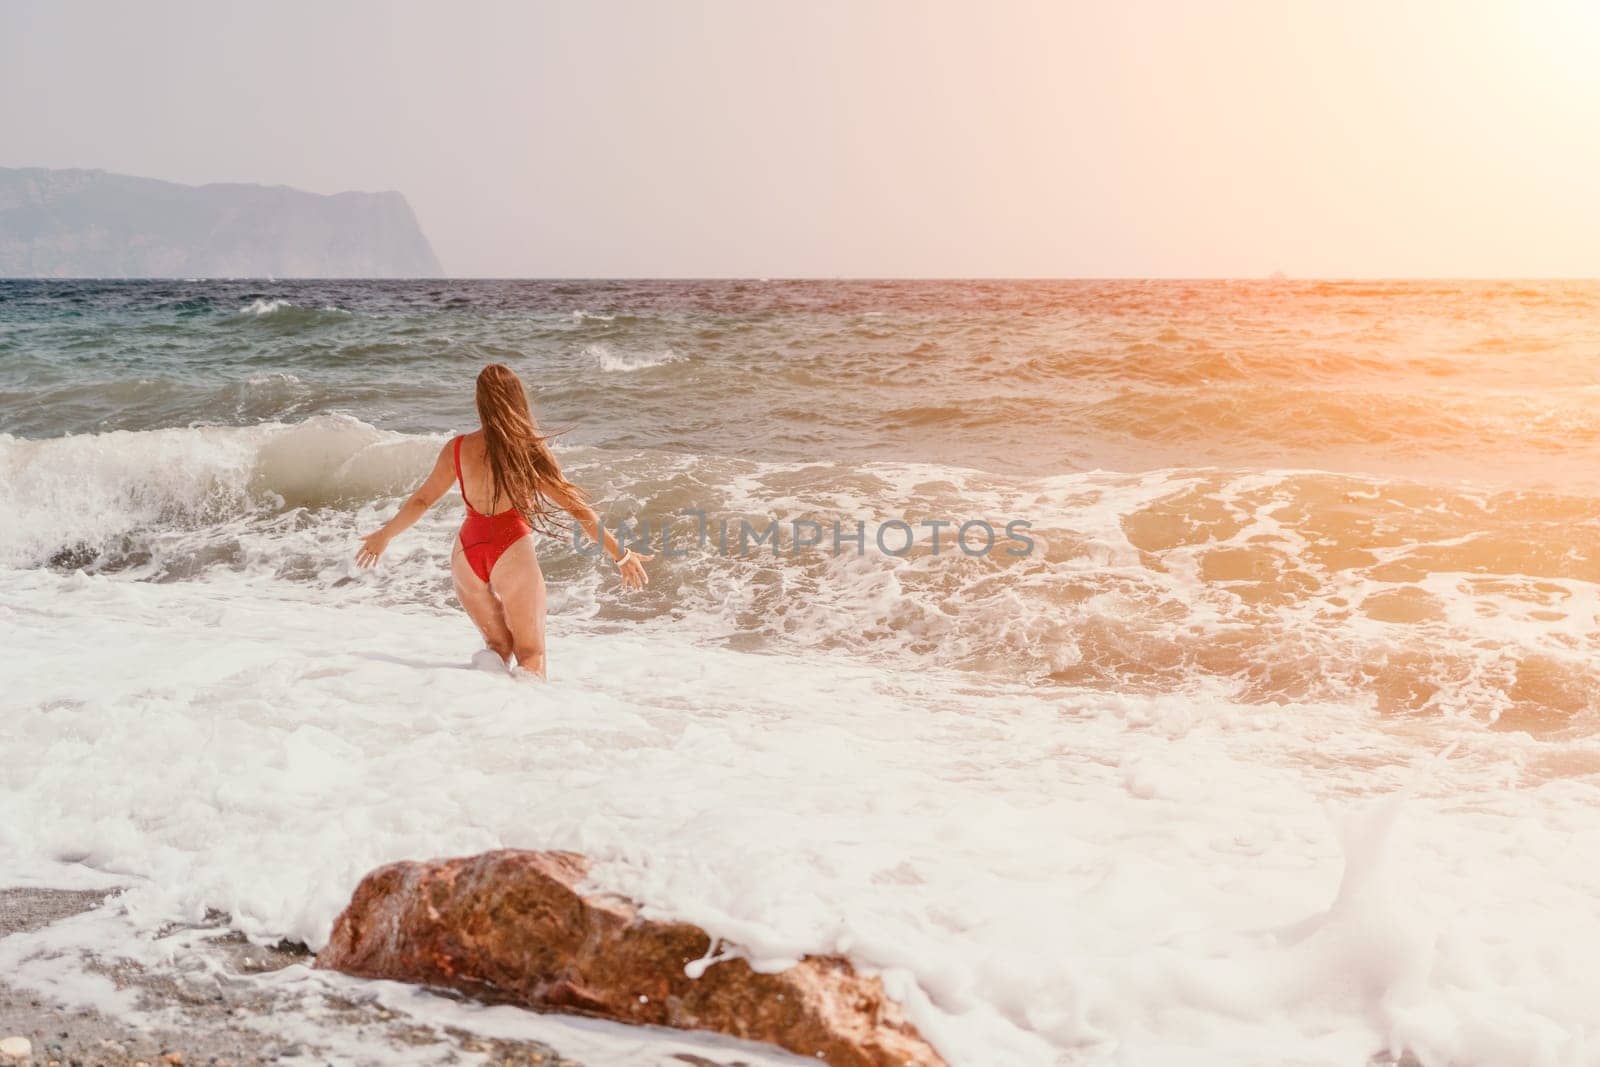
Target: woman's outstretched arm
x,y
630,563
416,506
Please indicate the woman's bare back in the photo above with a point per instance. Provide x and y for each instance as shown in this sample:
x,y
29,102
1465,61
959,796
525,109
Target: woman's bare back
x,y
477,479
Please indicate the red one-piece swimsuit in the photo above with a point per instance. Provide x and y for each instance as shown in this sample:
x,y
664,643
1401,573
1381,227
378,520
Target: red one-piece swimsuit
x,y
485,537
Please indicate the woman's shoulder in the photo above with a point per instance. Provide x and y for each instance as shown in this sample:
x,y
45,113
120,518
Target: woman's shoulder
x,y
469,446
452,445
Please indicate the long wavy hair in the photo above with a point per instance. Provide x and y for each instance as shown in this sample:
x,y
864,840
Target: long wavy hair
x,y
520,461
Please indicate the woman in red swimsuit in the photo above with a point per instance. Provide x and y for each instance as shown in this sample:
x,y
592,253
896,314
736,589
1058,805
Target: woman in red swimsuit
x,y
508,468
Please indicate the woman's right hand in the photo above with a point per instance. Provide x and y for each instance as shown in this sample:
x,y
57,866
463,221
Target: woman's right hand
x,y
372,547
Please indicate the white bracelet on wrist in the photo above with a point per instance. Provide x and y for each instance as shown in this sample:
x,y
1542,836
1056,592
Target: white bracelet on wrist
x,y
625,557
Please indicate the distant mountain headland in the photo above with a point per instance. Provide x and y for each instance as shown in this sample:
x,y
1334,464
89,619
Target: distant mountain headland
x,y
95,224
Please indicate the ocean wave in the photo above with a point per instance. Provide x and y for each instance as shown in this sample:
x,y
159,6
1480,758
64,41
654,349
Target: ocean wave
x,y
259,306
281,313
1401,378
612,362
274,378
1274,587
77,500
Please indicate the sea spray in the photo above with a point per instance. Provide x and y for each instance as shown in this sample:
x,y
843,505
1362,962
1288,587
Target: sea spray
x,y
610,361
1369,952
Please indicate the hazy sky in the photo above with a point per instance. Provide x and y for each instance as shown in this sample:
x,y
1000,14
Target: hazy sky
x,y
862,138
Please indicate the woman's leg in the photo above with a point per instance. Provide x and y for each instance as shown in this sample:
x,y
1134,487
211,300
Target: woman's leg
x,y
519,583
481,605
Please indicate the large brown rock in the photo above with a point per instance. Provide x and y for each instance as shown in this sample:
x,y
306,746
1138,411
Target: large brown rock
x,y
512,926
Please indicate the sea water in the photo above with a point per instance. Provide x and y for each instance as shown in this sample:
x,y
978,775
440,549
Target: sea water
x,y
1277,745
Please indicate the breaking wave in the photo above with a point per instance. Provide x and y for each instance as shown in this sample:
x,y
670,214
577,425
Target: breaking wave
x,y
613,362
74,499
280,313
1273,587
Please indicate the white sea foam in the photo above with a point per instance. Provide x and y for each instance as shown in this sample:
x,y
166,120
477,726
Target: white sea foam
x,y
259,306
288,313
613,362
273,378
1036,875
1133,580
1041,873
92,489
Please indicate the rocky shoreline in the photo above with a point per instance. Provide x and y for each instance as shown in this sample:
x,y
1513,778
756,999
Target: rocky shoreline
x,y
215,1026
82,986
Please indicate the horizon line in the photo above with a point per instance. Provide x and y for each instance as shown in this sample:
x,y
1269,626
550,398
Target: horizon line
x,y
1276,279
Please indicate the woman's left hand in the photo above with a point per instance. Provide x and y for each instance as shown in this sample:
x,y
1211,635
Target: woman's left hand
x,y
633,575
372,547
